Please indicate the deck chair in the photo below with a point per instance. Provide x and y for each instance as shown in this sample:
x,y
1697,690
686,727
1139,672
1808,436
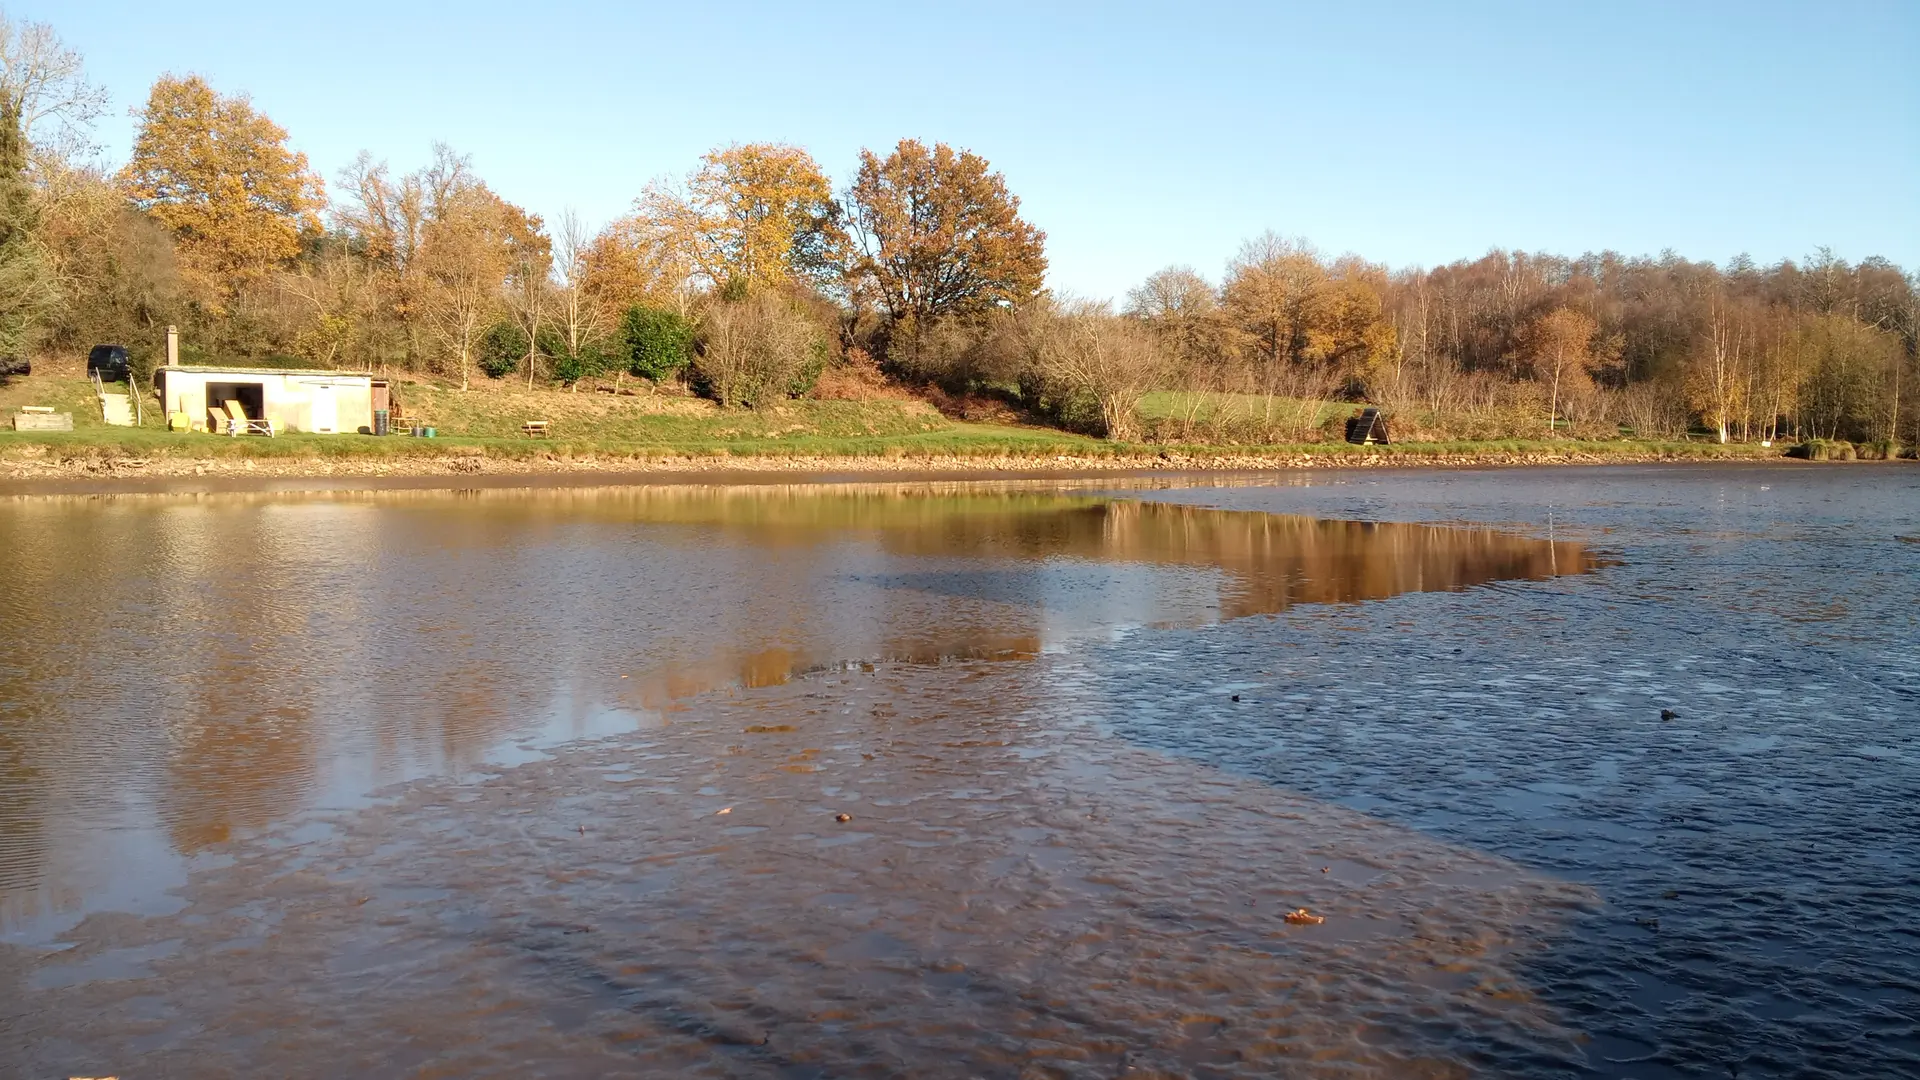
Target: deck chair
x,y
245,425
218,421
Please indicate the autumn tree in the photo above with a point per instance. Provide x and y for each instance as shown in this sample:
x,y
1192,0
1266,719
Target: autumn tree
x,y
1305,327
466,254
1560,344
1185,311
116,266
1348,333
1849,369
386,218
1270,294
1717,372
337,297
632,261
221,178
939,235
750,216
450,257
529,291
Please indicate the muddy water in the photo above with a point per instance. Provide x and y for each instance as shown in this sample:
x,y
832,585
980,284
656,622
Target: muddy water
x,y
1068,848
176,672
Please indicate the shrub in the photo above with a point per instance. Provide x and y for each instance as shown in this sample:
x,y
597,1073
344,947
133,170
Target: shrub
x,y
658,344
1823,450
594,358
501,349
1089,367
757,350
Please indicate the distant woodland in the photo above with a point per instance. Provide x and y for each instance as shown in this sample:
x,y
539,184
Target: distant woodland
x,y
753,276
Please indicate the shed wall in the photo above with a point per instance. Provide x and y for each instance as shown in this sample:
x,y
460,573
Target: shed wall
x,y
289,397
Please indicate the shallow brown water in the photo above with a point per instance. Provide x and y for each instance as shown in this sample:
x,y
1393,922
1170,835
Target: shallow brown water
x,y
1011,896
178,672
1654,821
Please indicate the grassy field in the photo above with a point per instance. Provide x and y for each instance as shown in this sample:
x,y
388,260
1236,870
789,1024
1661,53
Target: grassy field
x,y
485,423
74,395
490,419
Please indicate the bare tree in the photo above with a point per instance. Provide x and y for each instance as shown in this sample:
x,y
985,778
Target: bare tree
x,y
1082,348
530,296
1716,371
580,318
47,81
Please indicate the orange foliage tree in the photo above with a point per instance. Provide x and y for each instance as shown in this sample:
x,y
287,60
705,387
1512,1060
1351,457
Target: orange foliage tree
x,y
940,235
221,178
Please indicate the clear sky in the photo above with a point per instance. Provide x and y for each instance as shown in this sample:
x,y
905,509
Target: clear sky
x,y
1137,136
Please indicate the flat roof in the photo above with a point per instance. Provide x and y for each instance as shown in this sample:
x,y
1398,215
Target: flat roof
x,y
204,369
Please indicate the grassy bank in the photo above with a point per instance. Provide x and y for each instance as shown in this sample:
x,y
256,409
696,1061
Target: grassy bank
x,y
479,432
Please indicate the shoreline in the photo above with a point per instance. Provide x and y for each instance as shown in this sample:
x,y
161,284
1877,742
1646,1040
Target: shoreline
x,y
106,469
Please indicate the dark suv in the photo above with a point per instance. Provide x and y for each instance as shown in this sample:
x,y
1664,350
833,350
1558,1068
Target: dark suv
x,y
110,361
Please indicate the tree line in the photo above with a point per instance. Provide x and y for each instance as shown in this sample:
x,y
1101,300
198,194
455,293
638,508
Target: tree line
x,y
752,274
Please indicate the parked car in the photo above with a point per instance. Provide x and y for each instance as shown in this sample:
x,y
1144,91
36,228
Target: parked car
x,y
110,361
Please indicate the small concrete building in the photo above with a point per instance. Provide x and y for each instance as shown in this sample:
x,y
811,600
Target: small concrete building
x,y
321,402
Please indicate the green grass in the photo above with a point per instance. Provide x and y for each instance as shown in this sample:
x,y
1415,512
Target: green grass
x,y
670,440
486,422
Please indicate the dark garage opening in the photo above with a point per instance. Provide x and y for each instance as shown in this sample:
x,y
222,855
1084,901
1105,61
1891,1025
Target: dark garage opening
x,y
251,396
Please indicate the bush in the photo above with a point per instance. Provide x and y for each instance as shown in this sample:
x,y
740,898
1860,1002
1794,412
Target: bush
x,y
657,344
756,351
1823,450
1089,367
594,358
501,349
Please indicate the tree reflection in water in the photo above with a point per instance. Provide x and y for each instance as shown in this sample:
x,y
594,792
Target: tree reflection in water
x,y
178,670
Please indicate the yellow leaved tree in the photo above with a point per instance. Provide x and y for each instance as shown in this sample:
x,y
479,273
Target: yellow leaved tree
x,y
221,178
751,216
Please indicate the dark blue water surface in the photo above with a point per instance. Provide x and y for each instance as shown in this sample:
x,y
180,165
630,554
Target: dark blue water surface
x,y
1758,851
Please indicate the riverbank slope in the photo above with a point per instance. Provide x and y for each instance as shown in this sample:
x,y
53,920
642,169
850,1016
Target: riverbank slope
x,y
479,433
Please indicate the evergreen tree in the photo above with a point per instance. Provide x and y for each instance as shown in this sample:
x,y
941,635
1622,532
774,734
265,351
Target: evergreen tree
x,y
658,343
27,289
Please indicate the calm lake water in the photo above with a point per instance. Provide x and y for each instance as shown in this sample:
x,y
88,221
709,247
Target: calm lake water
x,y
546,781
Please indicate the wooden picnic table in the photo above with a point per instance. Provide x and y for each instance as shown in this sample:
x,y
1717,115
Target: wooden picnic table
x,y
538,429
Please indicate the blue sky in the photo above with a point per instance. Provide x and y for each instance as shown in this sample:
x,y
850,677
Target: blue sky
x,y
1137,136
